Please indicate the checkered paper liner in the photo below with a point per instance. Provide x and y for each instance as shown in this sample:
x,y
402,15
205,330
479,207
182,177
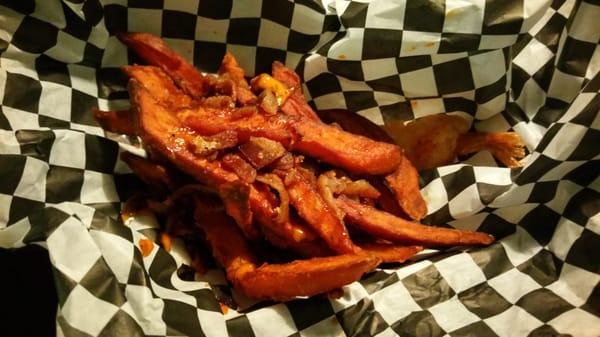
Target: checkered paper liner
x,y
529,66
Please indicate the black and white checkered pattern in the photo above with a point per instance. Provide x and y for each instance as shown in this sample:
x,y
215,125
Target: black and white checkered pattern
x,y
63,184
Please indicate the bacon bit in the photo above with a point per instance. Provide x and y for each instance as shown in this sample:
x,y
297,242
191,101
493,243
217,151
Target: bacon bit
x,y
224,308
146,246
165,241
266,82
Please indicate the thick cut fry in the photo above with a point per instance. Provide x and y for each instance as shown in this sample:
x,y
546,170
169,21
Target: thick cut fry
x,y
387,200
117,121
261,152
388,253
231,69
404,184
430,141
272,127
277,282
507,147
354,153
356,124
312,208
161,178
389,227
159,85
154,51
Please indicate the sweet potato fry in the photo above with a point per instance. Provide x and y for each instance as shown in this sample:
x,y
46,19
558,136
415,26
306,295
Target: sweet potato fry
x,y
231,69
389,253
117,121
356,124
282,281
161,178
354,153
387,200
404,184
155,51
159,85
273,127
261,151
389,227
306,277
312,208
507,147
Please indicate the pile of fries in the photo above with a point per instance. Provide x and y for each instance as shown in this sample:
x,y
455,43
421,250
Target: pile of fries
x,y
255,164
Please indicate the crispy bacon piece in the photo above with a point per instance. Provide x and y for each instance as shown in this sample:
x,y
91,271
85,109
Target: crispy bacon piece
x,y
242,168
404,184
278,282
117,121
354,153
389,253
231,69
389,227
507,147
312,208
206,145
356,124
261,151
155,51
275,182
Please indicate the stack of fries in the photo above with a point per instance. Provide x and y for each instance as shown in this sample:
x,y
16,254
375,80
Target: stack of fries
x,y
255,163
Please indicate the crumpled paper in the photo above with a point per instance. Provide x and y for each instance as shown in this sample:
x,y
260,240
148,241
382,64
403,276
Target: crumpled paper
x,y
530,66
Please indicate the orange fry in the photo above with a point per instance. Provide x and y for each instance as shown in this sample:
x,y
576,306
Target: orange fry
x,y
117,121
159,85
390,253
356,124
312,208
155,51
389,227
282,281
404,184
354,153
159,177
507,147
255,125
